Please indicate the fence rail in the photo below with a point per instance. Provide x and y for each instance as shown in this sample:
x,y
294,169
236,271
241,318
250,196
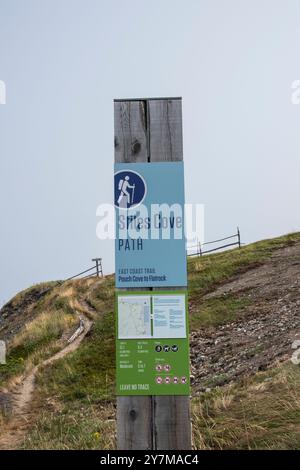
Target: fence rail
x,y
198,248
97,273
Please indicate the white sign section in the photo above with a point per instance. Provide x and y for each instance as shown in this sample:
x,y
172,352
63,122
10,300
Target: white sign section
x,y
169,318
134,316
2,352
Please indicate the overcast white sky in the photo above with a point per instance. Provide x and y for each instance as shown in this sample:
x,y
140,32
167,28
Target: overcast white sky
x,y
63,63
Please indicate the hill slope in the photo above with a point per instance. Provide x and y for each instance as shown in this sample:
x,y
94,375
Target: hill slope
x,y
244,314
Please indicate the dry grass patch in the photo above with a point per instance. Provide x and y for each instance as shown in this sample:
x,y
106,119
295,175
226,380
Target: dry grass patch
x,y
262,412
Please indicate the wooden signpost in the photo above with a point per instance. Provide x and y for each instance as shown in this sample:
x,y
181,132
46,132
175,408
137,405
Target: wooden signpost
x,y
147,131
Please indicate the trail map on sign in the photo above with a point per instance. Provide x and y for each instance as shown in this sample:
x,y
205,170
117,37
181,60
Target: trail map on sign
x,y
152,353
134,320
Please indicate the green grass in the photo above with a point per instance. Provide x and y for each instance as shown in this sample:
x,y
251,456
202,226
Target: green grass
x,y
262,412
37,341
218,311
257,413
89,372
78,427
102,299
208,272
83,386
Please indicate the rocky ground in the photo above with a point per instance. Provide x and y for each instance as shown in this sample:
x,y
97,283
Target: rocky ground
x,y
15,314
265,333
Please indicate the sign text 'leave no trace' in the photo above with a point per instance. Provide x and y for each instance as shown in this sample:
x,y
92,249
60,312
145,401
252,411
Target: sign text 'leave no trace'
x,y
152,343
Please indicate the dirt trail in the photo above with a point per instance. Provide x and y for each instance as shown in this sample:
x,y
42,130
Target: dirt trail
x,y
265,330
12,434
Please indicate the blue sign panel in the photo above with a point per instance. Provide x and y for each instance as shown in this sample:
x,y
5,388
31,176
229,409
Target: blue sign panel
x,y
150,240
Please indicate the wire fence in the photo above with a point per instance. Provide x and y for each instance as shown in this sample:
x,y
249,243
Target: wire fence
x,y
199,248
93,271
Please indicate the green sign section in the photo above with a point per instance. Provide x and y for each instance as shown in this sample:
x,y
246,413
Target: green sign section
x,y
152,353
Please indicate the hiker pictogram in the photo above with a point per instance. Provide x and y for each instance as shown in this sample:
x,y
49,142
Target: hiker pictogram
x,y
130,189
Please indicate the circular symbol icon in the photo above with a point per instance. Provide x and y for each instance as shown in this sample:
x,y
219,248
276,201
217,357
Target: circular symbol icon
x,y
159,380
166,348
175,380
130,189
167,367
183,380
167,380
158,367
158,348
174,348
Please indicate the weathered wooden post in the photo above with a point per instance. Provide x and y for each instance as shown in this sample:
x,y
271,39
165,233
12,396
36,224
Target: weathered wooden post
x,y
150,131
200,249
239,237
99,270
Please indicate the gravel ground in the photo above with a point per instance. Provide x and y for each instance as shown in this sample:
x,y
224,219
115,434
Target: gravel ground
x,y
270,324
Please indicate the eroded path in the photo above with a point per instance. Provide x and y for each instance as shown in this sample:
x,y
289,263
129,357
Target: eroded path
x,y
13,433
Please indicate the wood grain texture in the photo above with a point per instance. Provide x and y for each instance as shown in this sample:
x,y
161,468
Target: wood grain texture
x,y
151,422
171,416
134,423
134,413
130,131
172,422
165,130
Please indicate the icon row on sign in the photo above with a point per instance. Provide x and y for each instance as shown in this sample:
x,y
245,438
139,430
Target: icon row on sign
x,y
166,348
168,380
160,367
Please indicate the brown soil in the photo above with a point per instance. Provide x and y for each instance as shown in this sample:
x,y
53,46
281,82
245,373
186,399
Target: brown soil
x,y
266,331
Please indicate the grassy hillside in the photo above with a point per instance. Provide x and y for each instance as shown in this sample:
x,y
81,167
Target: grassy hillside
x,y
74,404
259,412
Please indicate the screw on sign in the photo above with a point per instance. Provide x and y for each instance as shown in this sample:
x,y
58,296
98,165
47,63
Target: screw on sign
x,y
167,380
175,380
159,380
167,367
158,367
183,380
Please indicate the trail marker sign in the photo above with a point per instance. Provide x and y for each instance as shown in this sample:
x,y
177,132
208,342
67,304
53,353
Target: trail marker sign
x,y
152,351
150,241
152,343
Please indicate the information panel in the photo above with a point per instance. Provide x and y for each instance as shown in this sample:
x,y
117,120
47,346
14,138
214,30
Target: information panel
x,y
150,239
152,351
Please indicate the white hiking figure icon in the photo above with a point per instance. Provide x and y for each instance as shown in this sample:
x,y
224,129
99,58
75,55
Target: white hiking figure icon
x,y
125,198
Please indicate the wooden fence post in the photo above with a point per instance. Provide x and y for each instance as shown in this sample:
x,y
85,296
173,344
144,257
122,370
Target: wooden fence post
x,y
99,270
150,130
239,237
200,250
